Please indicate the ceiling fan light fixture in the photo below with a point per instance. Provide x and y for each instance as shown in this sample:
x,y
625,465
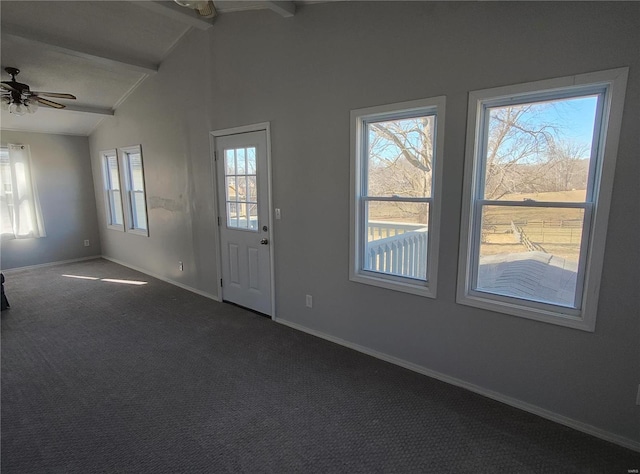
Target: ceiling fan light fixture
x,y
204,8
17,108
31,105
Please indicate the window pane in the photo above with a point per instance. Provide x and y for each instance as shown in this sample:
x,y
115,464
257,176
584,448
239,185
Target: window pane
x,y
397,238
253,216
112,169
241,183
400,157
251,160
252,189
6,194
135,167
230,162
530,253
232,214
241,161
115,206
540,151
232,193
139,210
242,216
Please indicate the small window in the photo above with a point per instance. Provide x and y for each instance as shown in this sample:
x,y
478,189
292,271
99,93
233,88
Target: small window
x,y
540,162
113,195
135,190
396,162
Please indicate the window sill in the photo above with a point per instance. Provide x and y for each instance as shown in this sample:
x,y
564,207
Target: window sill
x,y
141,232
524,311
115,227
402,286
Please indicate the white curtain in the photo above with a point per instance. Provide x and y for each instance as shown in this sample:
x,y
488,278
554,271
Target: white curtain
x,y
20,207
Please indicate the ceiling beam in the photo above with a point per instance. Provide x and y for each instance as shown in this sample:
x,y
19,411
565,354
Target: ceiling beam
x,y
176,12
72,48
286,9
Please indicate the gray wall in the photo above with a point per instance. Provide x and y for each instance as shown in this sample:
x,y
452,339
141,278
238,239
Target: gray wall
x,y
304,75
62,172
169,117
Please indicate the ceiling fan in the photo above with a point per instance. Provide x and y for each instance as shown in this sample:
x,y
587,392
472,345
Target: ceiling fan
x,y
19,99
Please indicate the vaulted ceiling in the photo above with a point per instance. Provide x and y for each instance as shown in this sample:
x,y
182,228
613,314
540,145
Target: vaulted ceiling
x,y
99,51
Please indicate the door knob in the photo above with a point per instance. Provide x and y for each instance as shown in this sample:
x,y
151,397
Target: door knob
x,y
264,241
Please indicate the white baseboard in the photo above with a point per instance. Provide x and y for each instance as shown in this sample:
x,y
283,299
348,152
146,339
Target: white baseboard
x,y
168,280
549,415
49,264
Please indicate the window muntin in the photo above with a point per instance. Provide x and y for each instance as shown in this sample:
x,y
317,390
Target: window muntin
x,y
241,189
542,161
115,215
396,150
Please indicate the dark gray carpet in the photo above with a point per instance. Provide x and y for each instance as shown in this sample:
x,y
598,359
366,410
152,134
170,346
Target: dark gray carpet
x,y
108,377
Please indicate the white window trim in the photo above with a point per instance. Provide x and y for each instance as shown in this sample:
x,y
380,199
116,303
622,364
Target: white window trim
x,y
125,179
615,80
105,175
435,106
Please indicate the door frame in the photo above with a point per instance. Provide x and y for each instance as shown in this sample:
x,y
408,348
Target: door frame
x,y
213,136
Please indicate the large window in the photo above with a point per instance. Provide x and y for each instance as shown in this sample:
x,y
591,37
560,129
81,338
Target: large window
x,y
395,174
134,185
540,161
113,196
20,213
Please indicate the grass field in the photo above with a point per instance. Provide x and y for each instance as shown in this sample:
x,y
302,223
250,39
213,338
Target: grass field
x,y
557,230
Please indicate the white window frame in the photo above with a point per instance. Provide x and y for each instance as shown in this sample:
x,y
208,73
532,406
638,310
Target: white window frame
x,y
108,189
612,83
126,178
433,106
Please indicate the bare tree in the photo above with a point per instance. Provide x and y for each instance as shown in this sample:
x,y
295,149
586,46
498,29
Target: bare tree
x,y
570,166
401,161
518,145
525,153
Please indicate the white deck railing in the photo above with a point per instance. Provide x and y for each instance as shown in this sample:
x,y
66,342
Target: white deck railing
x,y
402,250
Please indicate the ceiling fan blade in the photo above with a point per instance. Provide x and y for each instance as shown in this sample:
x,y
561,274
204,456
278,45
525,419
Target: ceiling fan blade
x,y
49,103
58,95
8,87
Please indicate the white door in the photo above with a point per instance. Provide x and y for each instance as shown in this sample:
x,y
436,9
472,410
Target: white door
x,y
243,197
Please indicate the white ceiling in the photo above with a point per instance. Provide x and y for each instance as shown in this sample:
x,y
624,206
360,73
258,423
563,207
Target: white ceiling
x,y
99,51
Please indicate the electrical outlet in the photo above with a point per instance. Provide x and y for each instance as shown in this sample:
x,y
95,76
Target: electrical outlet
x,y
86,243
181,266
309,301
278,214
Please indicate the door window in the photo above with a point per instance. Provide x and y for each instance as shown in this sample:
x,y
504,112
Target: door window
x,y
241,195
